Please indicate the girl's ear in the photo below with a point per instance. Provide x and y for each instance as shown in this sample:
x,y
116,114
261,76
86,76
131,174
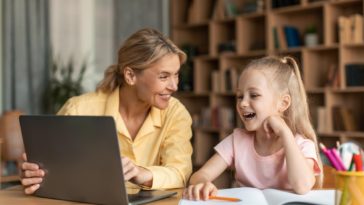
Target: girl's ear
x,y
285,103
129,76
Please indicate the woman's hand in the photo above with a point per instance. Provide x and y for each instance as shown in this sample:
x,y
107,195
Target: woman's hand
x,y
31,176
200,191
135,174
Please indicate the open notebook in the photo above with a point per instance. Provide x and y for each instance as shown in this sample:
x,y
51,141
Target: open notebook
x,y
253,196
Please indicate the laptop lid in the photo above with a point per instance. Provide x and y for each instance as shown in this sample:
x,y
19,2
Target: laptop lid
x,y
81,157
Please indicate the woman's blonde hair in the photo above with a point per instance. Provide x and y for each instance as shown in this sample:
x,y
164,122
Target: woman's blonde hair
x,y
139,51
285,76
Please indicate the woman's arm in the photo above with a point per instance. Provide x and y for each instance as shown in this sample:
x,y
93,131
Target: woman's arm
x,y
175,150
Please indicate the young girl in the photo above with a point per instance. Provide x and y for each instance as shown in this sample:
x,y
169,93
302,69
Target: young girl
x,y
278,147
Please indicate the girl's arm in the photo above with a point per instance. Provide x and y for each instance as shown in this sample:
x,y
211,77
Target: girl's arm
x,y
300,169
200,182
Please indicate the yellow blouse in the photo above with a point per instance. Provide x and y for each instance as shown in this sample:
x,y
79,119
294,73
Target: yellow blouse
x,y
162,144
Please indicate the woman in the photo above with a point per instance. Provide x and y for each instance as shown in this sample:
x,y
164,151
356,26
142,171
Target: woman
x,y
154,129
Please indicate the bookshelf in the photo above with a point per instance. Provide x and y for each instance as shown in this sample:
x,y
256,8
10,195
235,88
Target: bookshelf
x,y
229,39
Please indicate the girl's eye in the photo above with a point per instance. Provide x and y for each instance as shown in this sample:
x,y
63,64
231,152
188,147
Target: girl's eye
x,y
240,97
254,95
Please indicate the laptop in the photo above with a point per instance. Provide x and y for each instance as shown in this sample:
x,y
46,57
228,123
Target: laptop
x,y
81,158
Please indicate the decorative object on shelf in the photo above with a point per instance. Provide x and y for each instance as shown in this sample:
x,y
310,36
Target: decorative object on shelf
x,y
311,36
63,85
228,46
231,9
251,6
333,78
186,72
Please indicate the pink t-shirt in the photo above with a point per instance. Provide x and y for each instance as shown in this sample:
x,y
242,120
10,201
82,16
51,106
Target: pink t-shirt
x,y
262,172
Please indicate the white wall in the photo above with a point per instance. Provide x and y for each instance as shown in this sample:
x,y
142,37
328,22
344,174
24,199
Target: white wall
x,y
82,30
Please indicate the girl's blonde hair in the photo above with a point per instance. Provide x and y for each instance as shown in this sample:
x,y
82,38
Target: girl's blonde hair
x,y
139,51
285,76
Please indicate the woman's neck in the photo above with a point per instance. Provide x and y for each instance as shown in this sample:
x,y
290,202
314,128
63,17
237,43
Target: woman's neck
x,y
130,107
266,145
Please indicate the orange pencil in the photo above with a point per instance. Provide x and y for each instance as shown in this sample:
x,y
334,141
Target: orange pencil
x,y
223,198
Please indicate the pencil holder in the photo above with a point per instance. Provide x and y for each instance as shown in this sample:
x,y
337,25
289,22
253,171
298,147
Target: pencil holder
x,y
349,188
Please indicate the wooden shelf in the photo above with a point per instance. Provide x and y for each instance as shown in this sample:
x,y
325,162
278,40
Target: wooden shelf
x,y
345,2
353,134
251,36
252,15
348,90
298,8
191,25
12,178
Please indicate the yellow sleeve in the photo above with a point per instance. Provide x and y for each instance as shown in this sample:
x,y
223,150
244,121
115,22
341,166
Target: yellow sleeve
x,y
68,108
176,151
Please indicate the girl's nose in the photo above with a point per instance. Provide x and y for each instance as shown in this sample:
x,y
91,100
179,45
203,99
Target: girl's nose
x,y
244,103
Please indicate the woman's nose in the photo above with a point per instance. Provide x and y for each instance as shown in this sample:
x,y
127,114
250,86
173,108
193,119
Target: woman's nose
x,y
173,84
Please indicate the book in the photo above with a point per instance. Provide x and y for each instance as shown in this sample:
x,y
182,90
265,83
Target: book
x,y
357,28
344,29
354,73
282,38
251,196
292,36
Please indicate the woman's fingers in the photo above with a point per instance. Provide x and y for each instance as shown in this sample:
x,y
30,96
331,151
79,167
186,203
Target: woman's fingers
x,y
132,172
29,166
31,181
129,169
31,189
36,173
24,156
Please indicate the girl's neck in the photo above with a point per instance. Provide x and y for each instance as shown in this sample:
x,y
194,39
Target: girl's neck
x,y
130,106
266,145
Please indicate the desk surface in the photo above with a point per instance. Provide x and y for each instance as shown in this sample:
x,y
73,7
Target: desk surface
x,y
15,195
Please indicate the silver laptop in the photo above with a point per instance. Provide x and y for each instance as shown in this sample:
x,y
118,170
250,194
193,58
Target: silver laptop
x,y
81,157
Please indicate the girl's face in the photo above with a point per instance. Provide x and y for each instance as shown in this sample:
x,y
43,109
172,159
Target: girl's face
x,y
256,99
156,84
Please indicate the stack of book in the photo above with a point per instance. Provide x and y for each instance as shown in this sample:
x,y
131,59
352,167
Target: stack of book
x,y
351,29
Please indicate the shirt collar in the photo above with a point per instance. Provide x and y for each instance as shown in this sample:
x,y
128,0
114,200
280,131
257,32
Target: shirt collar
x,y
112,109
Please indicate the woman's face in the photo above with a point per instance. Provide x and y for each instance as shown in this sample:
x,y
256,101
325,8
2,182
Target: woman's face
x,y
156,84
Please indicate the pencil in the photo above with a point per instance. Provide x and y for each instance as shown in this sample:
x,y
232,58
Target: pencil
x,y
223,198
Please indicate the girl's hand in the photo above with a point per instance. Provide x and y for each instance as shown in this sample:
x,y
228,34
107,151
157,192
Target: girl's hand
x,y
135,174
31,176
274,126
200,191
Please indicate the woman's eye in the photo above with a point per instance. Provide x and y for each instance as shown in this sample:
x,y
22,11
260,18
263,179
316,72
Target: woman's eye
x,y
254,95
163,77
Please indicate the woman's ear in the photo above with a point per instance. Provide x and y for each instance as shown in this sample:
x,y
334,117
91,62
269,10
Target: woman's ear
x,y
129,76
285,103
